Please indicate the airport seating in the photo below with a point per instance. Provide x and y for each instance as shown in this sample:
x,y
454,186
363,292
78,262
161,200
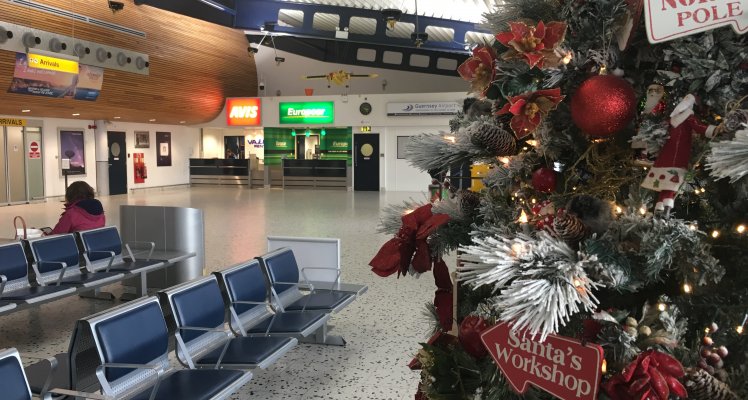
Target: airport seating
x,y
245,288
197,311
131,342
16,290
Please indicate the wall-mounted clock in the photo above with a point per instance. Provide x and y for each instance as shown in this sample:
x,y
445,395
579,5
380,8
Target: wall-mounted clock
x,y
365,108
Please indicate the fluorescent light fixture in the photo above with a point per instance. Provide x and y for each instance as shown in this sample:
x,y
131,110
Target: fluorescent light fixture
x,y
152,120
25,111
218,6
182,122
117,117
76,114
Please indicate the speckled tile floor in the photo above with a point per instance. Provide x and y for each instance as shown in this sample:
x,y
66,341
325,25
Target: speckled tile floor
x,y
382,328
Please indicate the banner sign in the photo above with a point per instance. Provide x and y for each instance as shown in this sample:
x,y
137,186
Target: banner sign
x,y
560,366
41,61
243,111
670,19
12,122
433,108
307,113
84,84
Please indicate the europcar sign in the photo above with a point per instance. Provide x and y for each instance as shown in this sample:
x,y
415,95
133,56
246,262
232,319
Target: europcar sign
x,y
243,111
307,113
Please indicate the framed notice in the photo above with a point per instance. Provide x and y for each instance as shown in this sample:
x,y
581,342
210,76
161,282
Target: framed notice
x,y
163,149
402,142
72,152
142,139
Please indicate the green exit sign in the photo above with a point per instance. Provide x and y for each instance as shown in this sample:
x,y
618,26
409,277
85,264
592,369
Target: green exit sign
x,y
303,113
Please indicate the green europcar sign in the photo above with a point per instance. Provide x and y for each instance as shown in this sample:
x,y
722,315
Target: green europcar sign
x,y
307,113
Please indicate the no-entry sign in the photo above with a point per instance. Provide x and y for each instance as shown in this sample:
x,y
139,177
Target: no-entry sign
x,y
34,151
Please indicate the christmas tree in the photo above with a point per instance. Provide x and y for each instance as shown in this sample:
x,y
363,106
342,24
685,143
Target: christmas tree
x,y
613,214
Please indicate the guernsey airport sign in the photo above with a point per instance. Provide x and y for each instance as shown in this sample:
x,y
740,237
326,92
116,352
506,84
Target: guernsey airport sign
x,y
318,112
670,19
432,108
243,111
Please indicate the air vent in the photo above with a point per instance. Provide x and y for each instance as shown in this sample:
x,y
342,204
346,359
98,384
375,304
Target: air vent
x,y
78,17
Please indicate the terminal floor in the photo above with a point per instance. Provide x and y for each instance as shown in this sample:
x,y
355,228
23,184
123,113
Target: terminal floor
x,y
382,328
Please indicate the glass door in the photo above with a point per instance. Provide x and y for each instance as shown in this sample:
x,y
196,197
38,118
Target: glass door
x,y
3,168
15,151
34,164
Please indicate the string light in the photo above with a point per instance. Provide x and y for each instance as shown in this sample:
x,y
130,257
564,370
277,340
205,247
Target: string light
x,y
687,289
406,212
715,234
662,307
504,160
619,210
533,201
604,367
739,330
450,139
642,210
532,142
693,227
523,217
740,229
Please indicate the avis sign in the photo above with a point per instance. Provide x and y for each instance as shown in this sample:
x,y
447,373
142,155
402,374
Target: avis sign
x,y
670,19
243,111
561,366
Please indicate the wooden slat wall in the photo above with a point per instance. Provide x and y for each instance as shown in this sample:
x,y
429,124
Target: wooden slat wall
x,y
194,65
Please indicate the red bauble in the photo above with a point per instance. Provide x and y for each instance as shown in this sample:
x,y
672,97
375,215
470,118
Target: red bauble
x,y
603,105
544,180
469,335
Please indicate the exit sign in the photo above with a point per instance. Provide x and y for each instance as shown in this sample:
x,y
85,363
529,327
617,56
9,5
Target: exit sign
x,y
243,111
307,113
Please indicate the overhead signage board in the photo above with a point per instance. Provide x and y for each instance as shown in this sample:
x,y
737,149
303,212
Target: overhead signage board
x,y
307,113
244,111
12,122
50,63
430,108
671,19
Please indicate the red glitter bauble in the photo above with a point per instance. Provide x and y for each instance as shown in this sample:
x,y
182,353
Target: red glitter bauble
x,y
469,335
544,180
603,105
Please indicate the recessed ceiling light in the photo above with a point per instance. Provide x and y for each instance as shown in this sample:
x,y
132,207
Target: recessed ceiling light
x,y
182,122
152,120
76,114
117,117
27,110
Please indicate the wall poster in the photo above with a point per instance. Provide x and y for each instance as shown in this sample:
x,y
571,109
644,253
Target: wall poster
x,y
142,139
83,84
72,152
163,147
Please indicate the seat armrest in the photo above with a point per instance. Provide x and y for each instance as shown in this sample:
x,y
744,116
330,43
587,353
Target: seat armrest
x,y
308,282
104,382
62,270
3,281
109,253
201,329
151,246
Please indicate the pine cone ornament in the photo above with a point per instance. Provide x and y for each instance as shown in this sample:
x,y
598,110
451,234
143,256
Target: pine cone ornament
x,y
468,202
702,386
494,139
569,227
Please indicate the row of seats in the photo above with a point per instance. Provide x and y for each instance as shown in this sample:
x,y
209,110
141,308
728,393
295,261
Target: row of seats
x,y
39,270
123,352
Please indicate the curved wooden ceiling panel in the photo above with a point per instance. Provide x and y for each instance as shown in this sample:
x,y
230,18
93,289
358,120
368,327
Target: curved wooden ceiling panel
x,y
194,65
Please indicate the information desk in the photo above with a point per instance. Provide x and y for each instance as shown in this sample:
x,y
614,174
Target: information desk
x,y
317,174
217,171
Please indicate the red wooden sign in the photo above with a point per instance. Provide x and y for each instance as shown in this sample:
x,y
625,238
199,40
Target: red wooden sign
x,y
561,366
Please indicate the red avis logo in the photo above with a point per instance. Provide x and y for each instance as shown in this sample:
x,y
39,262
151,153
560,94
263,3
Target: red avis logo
x,y
243,111
561,366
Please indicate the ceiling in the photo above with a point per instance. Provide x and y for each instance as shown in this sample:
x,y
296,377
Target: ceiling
x,y
458,10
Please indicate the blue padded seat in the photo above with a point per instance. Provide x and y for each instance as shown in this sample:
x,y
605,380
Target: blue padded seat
x,y
14,266
104,245
202,384
136,333
283,272
49,252
247,283
199,304
12,379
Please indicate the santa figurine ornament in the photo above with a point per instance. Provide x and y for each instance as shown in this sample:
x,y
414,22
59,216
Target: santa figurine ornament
x,y
669,170
654,105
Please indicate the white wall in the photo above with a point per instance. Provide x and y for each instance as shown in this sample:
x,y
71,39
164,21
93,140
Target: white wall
x,y
395,175
185,143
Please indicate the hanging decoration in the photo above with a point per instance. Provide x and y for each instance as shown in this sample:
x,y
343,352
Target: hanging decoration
x,y
479,69
603,105
529,109
537,45
652,375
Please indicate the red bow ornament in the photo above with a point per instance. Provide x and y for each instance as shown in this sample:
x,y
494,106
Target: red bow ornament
x,y
409,246
529,109
537,45
480,69
652,376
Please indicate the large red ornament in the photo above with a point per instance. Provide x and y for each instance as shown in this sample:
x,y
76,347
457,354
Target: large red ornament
x,y
652,376
544,180
469,335
603,105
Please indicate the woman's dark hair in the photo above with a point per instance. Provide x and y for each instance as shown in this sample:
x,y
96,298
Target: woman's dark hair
x,y
77,191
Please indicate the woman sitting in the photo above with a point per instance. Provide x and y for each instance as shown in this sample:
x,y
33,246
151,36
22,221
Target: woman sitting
x,y
82,210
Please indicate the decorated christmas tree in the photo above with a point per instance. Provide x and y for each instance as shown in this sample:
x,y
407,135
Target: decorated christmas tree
x,y
605,255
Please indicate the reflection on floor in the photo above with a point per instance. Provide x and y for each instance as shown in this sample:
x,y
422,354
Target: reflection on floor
x,y
383,328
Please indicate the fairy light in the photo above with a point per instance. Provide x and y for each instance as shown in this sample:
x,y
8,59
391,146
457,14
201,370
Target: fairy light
x,y
523,217
715,234
533,201
567,58
517,249
702,190
504,160
450,138
406,212
662,307
687,289
532,142
642,210
619,210
604,367
740,229
693,227
739,330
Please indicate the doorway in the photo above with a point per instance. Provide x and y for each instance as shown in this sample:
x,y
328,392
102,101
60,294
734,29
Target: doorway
x,y
366,162
21,166
307,147
117,162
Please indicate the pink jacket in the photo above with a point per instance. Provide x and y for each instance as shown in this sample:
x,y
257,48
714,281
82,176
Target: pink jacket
x,y
79,216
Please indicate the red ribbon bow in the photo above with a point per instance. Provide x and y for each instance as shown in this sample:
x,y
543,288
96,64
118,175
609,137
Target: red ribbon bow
x,y
409,246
